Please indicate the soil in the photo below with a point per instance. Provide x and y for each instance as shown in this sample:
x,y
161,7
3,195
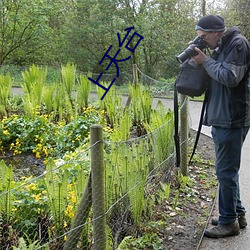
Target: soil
x,y
186,223
25,164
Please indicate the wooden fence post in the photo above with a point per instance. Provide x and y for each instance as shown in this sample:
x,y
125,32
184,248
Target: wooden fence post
x,y
135,74
98,194
80,218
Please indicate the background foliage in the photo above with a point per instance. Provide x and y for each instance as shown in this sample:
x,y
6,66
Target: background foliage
x,y
50,32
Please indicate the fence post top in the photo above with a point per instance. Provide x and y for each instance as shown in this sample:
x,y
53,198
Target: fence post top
x,y
96,126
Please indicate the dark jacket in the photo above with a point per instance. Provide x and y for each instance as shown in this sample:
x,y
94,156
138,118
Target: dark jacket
x,y
228,103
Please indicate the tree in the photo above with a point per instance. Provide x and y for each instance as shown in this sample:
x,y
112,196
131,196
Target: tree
x,y
21,21
237,12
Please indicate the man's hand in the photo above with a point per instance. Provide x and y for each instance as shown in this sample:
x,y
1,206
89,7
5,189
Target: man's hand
x,y
200,58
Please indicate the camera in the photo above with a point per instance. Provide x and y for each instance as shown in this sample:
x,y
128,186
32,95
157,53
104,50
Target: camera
x,y
190,51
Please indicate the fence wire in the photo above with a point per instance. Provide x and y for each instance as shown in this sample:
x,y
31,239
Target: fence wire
x,y
44,210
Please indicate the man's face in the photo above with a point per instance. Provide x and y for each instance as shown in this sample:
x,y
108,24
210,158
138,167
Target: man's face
x,y
211,38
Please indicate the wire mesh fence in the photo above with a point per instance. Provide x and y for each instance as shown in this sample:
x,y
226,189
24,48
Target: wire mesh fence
x,y
46,210
55,210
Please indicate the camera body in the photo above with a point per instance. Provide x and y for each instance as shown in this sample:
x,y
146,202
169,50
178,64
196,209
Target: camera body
x,y
190,51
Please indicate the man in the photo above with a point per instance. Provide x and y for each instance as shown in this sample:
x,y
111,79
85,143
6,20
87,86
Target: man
x,y
228,112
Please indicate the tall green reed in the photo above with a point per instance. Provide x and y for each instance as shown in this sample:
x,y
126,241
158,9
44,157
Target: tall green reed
x,y
111,103
83,92
126,172
48,98
161,132
5,90
68,74
33,86
6,196
141,106
56,184
62,106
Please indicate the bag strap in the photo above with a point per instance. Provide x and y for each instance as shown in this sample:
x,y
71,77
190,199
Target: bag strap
x,y
176,126
199,127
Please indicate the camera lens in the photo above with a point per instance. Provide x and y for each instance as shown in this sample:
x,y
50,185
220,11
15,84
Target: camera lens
x,y
187,53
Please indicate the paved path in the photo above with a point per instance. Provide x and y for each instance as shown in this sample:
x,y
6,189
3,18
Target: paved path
x,y
241,242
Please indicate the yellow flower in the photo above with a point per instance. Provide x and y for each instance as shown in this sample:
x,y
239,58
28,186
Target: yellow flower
x,y
31,187
38,156
16,152
73,199
45,151
37,196
6,132
69,211
14,209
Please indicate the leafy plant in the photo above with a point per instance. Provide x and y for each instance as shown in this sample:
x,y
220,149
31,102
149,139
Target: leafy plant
x,y
147,241
22,245
30,208
164,191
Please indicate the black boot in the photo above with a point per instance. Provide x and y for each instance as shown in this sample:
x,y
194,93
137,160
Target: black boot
x,y
241,219
221,231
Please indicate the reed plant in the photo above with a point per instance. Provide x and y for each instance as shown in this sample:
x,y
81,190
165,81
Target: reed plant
x,y
68,74
56,187
6,184
5,90
161,130
48,98
111,104
62,106
65,181
34,80
139,168
122,130
56,184
126,172
141,106
83,92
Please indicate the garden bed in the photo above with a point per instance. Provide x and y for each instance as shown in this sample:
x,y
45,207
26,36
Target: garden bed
x,y
178,222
